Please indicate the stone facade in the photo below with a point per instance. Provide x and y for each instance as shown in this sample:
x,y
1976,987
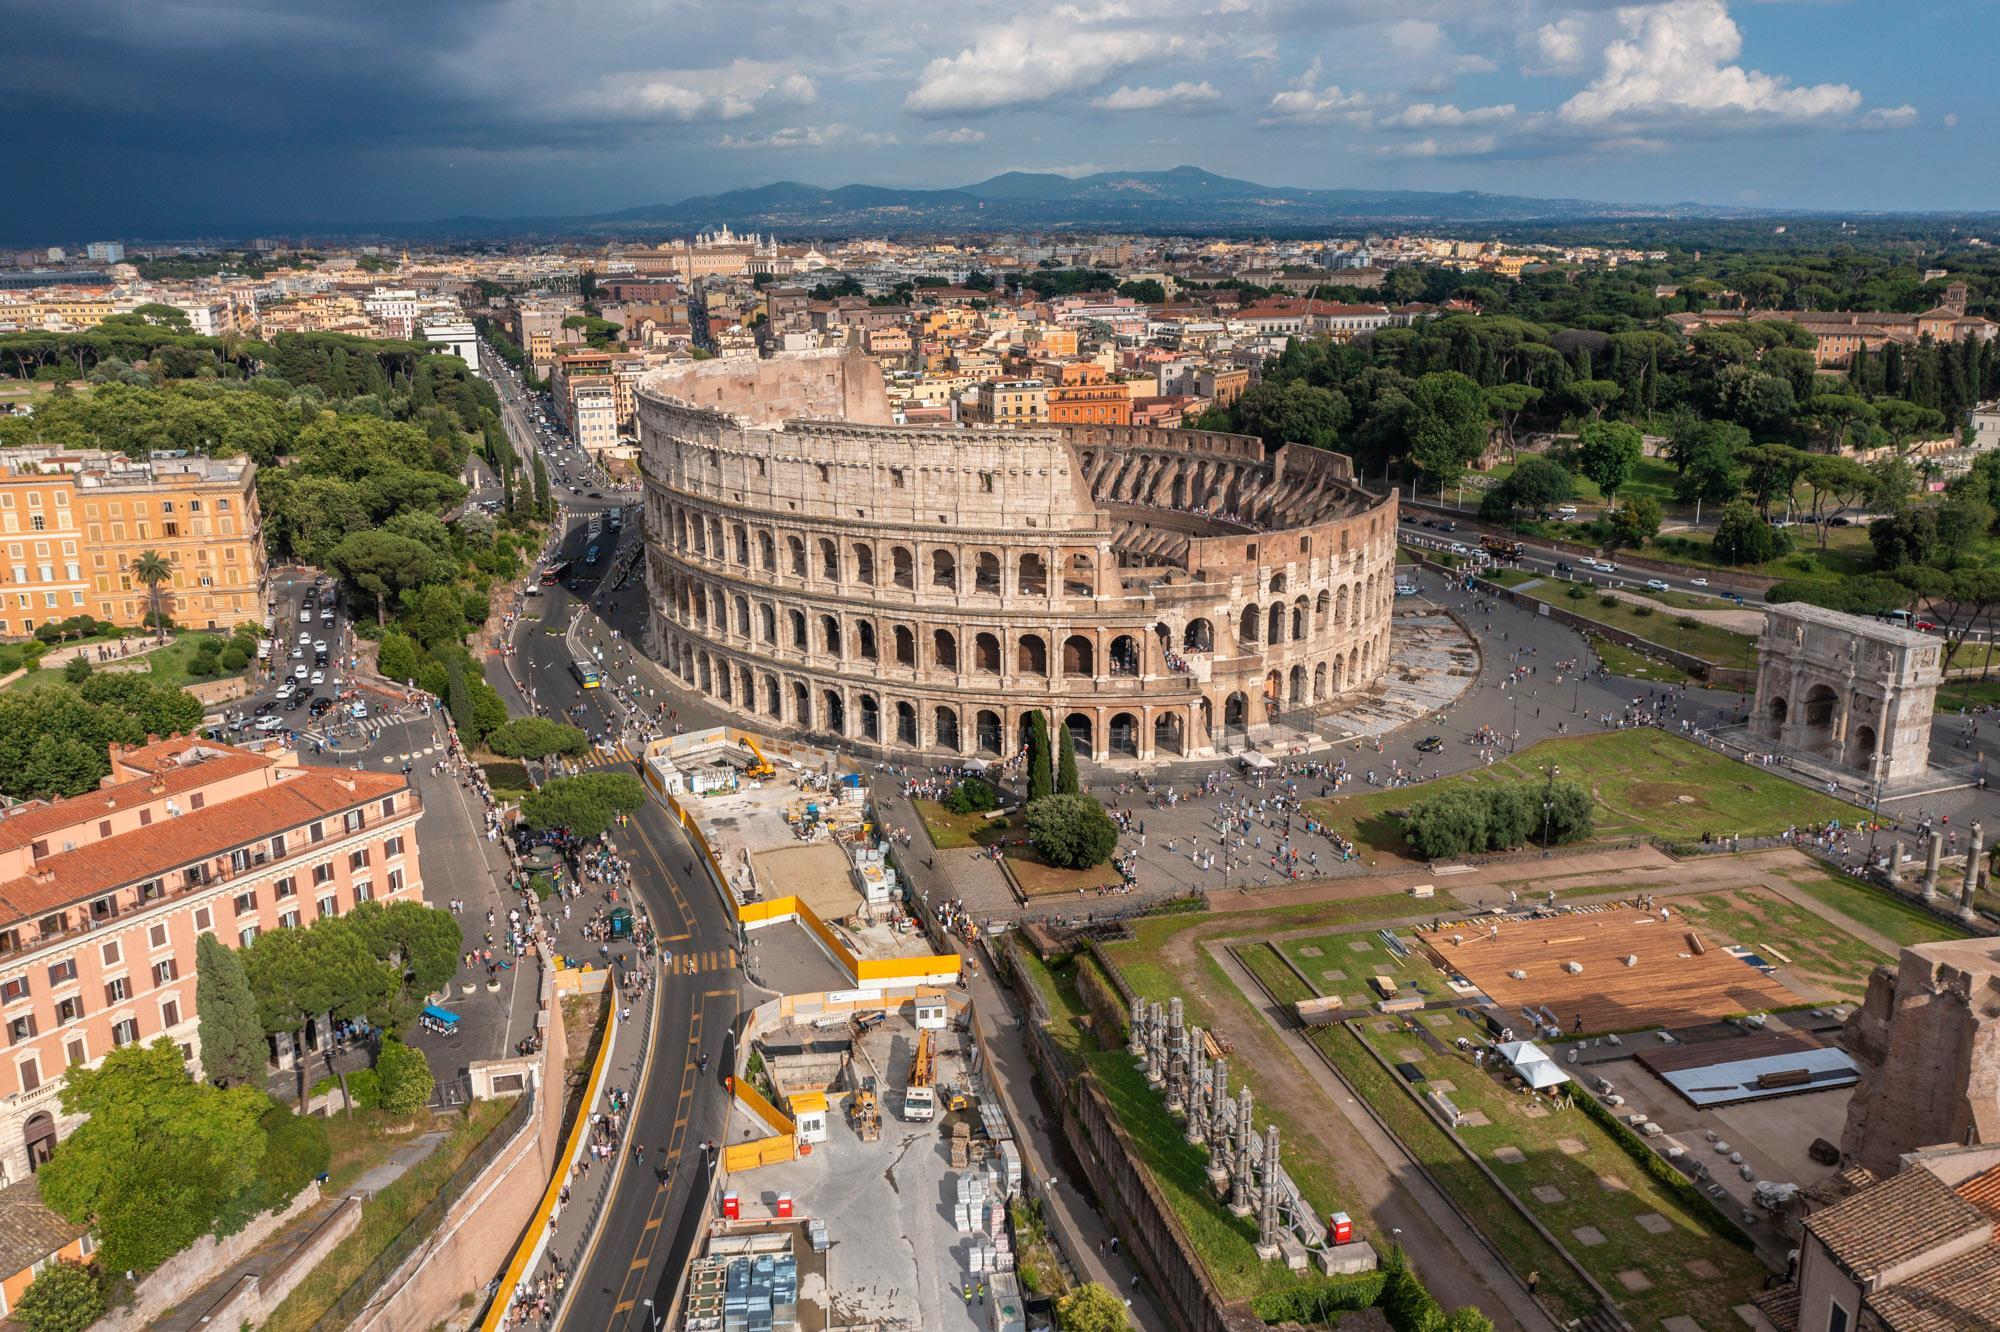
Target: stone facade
x,y
1929,1034
1852,692
925,588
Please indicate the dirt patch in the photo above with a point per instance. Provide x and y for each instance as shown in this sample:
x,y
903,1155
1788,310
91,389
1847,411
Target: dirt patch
x,y
1660,795
1033,878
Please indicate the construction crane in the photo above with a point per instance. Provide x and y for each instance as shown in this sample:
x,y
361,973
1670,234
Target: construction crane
x,y
920,1097
864,1113
762,767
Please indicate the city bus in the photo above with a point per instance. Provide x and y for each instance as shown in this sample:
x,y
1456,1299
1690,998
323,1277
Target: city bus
x,y
586,673
553,574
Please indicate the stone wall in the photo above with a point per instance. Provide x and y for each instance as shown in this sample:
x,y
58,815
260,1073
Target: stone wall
x,y
187,1271
478,1235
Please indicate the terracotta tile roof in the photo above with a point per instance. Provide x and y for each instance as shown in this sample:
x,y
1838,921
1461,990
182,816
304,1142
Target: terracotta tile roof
x,y
42,818
73,876
29,1231
1781,1306
1983,1192
1962,1295
1897,1220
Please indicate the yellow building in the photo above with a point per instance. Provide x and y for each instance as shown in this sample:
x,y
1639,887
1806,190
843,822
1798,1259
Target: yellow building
x,y
71,523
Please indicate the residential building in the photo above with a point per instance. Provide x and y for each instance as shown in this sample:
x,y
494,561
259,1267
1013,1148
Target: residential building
x,y
105,252
71,523
1838,334
103,895
1090,403
394,309
1221,384
32,1237
1017,402
455,336
594,416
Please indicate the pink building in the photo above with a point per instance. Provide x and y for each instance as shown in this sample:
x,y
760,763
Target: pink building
x,y
102,897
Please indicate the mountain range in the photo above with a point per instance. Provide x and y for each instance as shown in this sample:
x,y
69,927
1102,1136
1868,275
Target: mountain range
x,y
1182,198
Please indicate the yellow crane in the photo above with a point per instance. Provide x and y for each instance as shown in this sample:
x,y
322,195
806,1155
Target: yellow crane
x,y
919,1096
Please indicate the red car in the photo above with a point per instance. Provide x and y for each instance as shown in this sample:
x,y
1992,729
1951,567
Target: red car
x,y
1923,626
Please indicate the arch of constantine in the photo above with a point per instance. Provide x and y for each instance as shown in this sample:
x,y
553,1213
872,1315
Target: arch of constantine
x,y
923,588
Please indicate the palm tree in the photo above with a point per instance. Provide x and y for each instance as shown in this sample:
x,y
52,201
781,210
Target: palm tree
x,y
154,569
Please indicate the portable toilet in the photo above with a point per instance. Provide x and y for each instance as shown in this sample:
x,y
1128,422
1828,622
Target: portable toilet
x,y
732,1207
784,1206
1341,1228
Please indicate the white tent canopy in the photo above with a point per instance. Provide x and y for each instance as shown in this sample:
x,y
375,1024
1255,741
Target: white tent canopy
x,y
1533,1066
1252,759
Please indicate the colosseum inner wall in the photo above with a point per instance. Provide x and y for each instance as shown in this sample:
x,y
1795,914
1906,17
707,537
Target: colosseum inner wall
x,y
1157,592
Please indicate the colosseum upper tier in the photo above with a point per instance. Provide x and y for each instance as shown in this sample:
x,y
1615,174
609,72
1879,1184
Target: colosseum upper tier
x,y
923,588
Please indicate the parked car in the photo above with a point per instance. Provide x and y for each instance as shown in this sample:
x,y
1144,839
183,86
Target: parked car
x,y
1564,566
359,711
270,724
1430,744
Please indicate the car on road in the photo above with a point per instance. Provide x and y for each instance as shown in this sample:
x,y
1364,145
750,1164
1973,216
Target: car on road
x,y
1736,597
319,677
321,706
284,691
1697,582
1430,744
319,645
299,672
270,724
305,636
295,702
1458,548
1563,566
359,711
1657,585
1923,626
594,495
326,614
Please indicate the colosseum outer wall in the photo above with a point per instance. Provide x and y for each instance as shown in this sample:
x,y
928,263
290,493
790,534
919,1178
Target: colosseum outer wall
x,y
1158,593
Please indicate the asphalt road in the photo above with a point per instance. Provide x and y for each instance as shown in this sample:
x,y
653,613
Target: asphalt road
x,y
646,1231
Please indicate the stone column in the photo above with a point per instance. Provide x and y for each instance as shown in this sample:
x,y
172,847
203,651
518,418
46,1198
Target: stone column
x,y
1218,1097
1156,1055
1896,861
1931,859
1135,1043
1974,853
1974,880
1267,1198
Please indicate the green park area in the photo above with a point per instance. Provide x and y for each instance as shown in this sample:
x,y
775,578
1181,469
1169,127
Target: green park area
x,y
1643,783
949,830
187,658
1657,619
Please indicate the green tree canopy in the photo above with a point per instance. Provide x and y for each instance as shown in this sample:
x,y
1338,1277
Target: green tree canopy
x,y
158,1157
1447,425
1091,1308
232,1039
537,738
585,804
1071,831
1608,452
63,1297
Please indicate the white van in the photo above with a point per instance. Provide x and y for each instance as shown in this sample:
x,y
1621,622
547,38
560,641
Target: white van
x,y
1567,513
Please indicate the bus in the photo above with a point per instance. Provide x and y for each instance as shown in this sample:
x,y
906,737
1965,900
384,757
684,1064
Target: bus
x,y
553,574
586,673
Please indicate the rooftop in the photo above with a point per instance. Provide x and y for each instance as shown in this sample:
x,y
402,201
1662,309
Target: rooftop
x,y
29,1231
1900,1219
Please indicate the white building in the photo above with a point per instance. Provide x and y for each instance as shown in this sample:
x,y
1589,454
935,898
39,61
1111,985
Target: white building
x,y
105,252
596,412
394,308
211,319
455,336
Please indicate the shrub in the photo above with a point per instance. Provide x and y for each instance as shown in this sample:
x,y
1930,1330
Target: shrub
x,y
1408,1306
1071,831
406,1077
77,669
1577,591
1318,1301
65,1297
1498,816
1642,610
1606,600
364,1085
972,796
295,1151
232,658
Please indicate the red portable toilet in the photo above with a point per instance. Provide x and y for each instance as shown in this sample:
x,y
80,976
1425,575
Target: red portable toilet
x,y
1342,1227
731,1208
784,1205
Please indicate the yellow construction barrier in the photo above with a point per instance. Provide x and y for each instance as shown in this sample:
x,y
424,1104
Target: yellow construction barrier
x,y
753,1101
762,1152
503,1295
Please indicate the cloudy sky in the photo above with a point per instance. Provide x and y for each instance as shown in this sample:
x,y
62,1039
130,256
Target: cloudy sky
x,y
173,115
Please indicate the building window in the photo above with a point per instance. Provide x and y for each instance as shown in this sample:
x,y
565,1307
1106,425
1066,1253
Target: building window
x,y
328,907
316,833
170,1013
117,990
30,1071
322,874
76,1052
277,846
392,848
111,953
203,920
12,989
165,972
69,1010
288,920
152,890
197,800
351,820
125,1033
246,936
61,973
21,1029
156,937
284,888
39,523
246,903
357,860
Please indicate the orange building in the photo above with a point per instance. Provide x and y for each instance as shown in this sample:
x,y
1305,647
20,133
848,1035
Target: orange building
x,y
1090,404
71,523
103,896
31,1238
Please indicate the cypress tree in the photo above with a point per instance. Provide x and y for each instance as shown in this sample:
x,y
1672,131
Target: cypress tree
x,y
1041,781
1066,782
232,1040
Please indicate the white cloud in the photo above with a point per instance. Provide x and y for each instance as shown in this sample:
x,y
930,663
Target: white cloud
x,y
1672,65
807,136
1306,103
1202,96
1474,64
1471,145
1414,37
962,137
730,92
1893,117
1951,120
1028,64
1432,116
1560,44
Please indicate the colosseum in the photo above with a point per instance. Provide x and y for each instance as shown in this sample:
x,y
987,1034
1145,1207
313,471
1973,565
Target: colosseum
x,y
1160,593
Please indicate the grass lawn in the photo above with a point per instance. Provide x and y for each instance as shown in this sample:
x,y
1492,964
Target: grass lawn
x,y
383,1218
1886,915
1647,783
1847,553
1356,957
1653,476
1268,968
1710,642
1512,577
949,830
1633,665
1569,1152
164,666
1809,946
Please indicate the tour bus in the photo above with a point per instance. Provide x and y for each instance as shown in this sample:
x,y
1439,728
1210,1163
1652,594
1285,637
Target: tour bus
x,y
586,673
553,574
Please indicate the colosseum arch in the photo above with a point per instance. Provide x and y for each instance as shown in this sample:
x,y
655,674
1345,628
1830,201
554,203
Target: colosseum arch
x,y
1123,531
830,638
772,707
945,729
1121,735
1081,733
864,641
742,605
988,733
944,650
833,712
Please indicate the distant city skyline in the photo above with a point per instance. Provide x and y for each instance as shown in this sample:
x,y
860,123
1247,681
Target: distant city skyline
x,y
208,114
